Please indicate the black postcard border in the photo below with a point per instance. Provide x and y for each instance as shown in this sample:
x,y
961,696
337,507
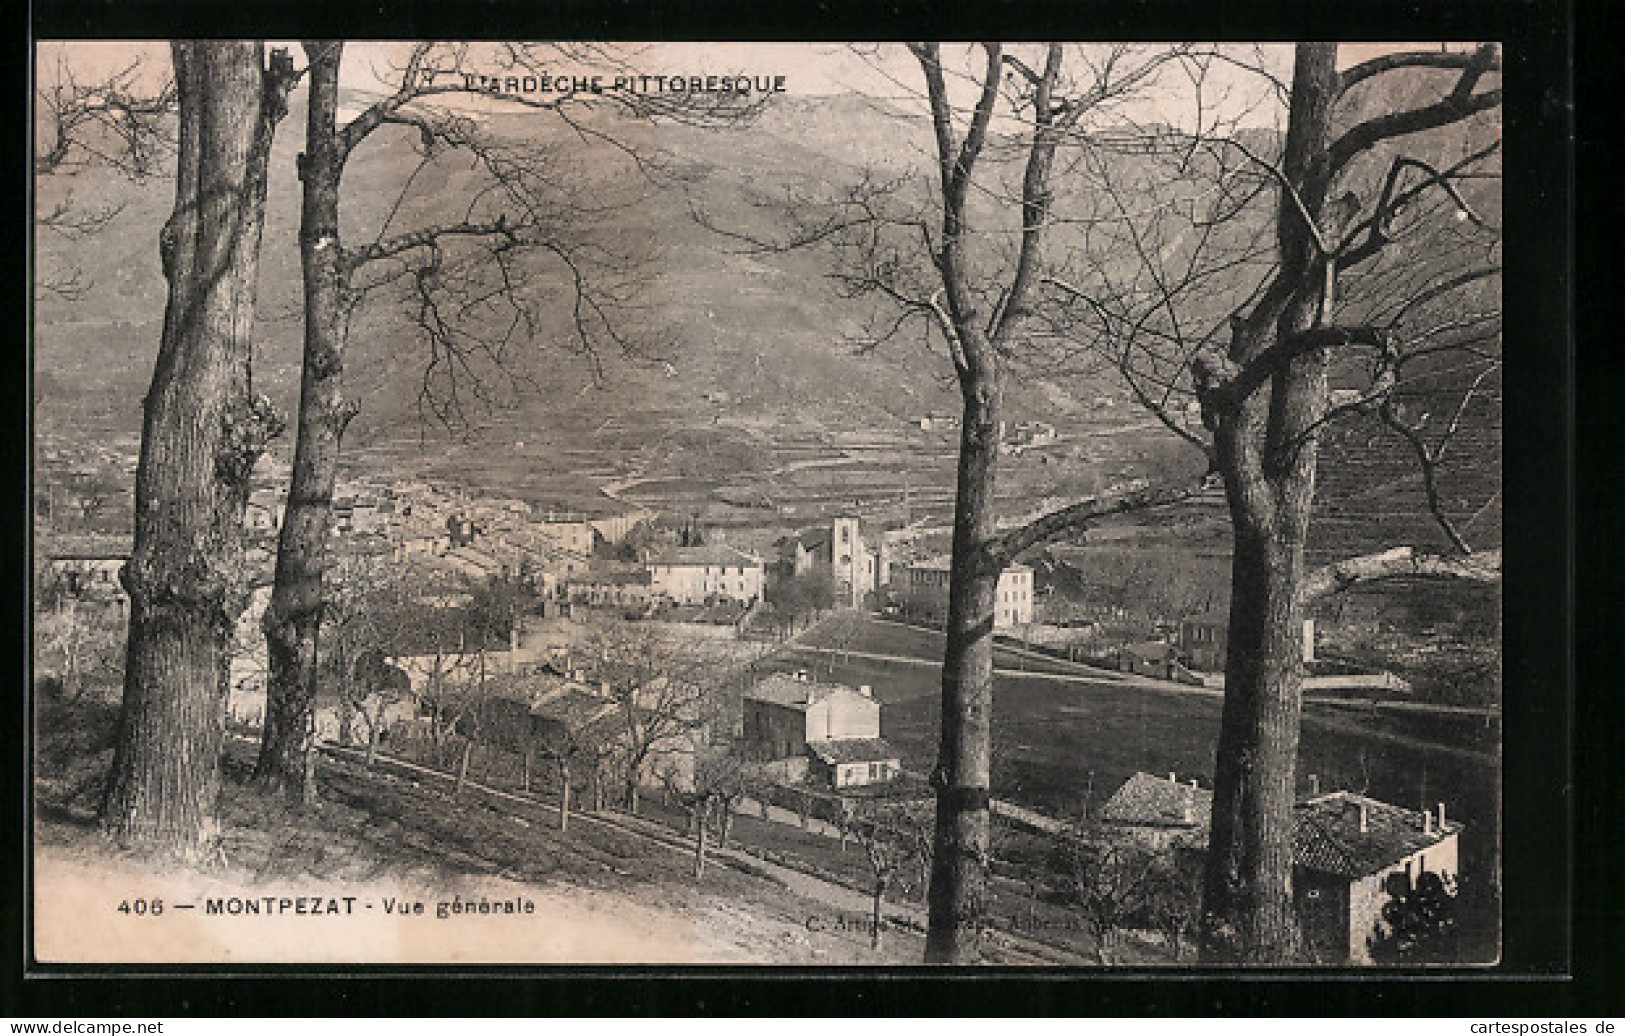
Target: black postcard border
x,y
1557,948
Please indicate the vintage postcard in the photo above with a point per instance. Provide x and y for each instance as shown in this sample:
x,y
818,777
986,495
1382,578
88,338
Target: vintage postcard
x,y
766,504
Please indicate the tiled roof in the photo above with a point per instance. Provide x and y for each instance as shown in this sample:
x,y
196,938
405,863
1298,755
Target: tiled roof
x,y
1149,801
573,708
1327,837
717,555
853,750
784,689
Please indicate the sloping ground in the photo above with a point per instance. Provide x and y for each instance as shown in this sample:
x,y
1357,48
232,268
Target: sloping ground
x,y
600,896
1370,495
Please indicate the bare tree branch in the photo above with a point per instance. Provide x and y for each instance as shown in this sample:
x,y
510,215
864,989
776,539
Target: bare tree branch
x,y
1399,563
1459,104
1070,519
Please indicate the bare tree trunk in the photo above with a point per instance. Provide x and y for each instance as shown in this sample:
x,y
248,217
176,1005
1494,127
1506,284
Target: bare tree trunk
x,y
699,842
727,825
875,919
1249,867
964,764
564,796
462,768
307,786
1266,450
293,621
203,429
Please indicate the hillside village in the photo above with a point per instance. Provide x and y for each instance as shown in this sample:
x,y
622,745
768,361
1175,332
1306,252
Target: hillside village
x,y
670,632
637,657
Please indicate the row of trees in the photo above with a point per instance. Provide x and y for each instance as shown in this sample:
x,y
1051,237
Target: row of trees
x,y
1344,212
1252,272
478,286
1328,253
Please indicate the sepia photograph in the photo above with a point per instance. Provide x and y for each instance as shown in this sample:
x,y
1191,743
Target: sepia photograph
x,y
834,505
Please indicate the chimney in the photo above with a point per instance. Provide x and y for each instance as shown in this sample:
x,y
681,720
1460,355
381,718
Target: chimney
x,y
1441,818
866,690
1365,824
1314,785
1427,821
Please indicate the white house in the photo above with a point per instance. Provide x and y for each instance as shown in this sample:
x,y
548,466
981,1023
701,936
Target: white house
x,y
1346,848
564,530
921,588
1203,640
695,575
828,730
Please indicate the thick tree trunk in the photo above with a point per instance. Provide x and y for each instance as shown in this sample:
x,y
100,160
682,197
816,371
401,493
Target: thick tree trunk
x,y
1267,449
203,429
292,622
964,764
1249,865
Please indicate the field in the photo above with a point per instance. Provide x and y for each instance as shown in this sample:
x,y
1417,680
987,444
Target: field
x,y
1059,744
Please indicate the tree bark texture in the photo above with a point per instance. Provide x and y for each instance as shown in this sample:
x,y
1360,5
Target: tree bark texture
x,y
203,429
963,774
292,622
1265,448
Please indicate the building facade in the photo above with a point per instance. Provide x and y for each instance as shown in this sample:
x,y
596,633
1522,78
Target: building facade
x,y
1202,639
831,731
859,564
920,588
698,575
1346,849
569,532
